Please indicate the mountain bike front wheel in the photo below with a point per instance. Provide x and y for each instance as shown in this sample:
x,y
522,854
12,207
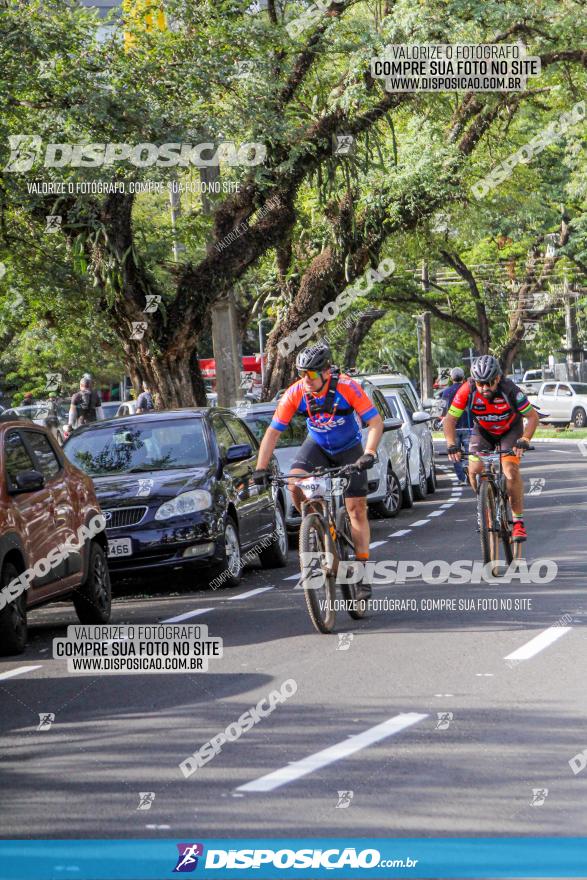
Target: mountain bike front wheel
x,y
318,584
356,608
488,526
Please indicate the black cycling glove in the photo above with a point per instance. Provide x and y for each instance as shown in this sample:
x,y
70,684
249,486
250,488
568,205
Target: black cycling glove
x,y
521,444
261,478
365,461
452,449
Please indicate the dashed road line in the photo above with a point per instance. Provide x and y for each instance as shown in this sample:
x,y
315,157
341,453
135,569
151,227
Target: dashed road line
x,y
187,615
374,544
337,752
249,593
421,522
20,671
400,533
539,643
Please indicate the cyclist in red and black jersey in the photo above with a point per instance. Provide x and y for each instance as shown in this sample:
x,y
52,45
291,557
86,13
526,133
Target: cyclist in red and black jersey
x,y
499,408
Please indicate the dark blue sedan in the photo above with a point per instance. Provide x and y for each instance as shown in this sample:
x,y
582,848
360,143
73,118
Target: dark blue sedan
x,y
177,491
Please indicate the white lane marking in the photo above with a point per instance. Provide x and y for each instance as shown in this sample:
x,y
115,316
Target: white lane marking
x,y
21,669
564,451
436,513
400,533
250,593
293,577
376,544
187,615
485,674
539,643
446,506
421,522
340,750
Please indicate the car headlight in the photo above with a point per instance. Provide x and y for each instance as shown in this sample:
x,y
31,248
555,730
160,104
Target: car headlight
x,y
187,502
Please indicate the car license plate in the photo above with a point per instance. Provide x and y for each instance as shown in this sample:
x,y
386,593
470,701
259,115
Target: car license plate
x,y
119,547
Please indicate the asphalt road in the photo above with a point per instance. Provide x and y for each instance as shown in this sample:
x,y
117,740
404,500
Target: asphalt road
x,y
513,678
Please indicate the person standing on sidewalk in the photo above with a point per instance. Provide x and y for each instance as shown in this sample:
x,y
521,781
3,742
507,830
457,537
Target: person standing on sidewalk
x,y
464,424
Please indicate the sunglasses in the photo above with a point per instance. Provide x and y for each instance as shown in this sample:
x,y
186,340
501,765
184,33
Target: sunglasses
x,y
311,374
485,384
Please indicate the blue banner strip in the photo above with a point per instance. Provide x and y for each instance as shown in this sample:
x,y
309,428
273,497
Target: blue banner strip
x,y
265,858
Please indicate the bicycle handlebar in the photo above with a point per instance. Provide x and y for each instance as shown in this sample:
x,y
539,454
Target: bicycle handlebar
x,y
340,471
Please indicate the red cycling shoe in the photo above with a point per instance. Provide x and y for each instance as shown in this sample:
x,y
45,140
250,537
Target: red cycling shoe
x,y
519,532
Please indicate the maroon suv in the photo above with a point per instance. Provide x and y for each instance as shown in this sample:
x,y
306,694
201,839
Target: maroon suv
x,y
52,542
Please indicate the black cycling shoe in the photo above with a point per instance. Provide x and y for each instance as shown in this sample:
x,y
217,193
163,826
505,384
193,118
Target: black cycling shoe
x,y
363,592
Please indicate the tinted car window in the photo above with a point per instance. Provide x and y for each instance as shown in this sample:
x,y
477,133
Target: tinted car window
x,y
140,446
238,431
579,388
406,400
549,389
294,434
16,458
47,462
381,404
392,404
223,435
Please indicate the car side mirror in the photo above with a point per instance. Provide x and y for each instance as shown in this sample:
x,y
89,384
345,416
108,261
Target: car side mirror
x,y
420,416
28,481
239,452
391,425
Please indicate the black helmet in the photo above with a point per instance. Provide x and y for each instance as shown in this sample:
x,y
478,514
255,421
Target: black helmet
x,y
457,374
317,357
485,368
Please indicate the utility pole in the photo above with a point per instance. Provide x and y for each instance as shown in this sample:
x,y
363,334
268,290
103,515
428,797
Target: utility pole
x,y
427,377
571,342
224,323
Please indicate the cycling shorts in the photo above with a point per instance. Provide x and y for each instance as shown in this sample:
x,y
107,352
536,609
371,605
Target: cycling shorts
x,y
311,456
482,441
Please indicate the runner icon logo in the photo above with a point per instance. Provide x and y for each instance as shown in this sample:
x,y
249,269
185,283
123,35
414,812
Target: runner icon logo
x,y
539,795
344,799
187,860
146,799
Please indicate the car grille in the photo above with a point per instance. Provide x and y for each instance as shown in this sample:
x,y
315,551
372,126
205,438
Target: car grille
x,y
122,517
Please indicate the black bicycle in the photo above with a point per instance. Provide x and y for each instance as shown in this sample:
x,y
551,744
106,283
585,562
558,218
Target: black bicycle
x,y
325,541
494,511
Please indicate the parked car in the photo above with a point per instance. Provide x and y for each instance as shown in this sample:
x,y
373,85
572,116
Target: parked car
x,y
41,414
126,408
562,403
110,408
405,405
418,438
177,491
389,486
44,501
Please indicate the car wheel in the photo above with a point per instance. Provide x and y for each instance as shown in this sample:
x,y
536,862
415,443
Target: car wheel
x,y
431,479
579,417
13,622
421,487
408,492
391,503
275,555
92,600
228,573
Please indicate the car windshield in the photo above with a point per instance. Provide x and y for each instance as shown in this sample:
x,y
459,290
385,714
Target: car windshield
x,y
38,411
579,388
294,435
132,449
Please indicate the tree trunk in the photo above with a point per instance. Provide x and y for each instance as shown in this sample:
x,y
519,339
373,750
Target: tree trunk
x,y
357,334
173,375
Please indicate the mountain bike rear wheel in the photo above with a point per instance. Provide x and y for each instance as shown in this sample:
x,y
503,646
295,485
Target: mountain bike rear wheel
x,y
355,608
509,547
318,584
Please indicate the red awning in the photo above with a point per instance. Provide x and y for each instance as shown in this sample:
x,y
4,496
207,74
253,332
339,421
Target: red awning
x,y
250,364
